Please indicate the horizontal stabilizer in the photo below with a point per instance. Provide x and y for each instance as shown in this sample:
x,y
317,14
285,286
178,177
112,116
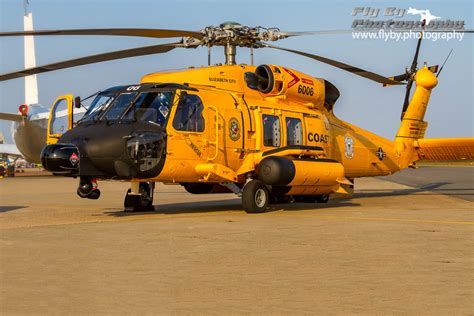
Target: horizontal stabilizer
x,y
445,149
11,117
9,150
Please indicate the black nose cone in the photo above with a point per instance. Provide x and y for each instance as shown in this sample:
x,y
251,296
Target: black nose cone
x,y
61,158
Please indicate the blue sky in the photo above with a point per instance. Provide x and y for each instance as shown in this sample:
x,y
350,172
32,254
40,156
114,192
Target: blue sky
x,y
362,102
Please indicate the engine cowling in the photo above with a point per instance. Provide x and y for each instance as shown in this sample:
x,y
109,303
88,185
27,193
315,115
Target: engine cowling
x,y
273,80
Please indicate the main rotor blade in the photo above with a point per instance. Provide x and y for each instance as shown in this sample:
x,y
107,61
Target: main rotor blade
x,y
133,52
322,32
355,30
357,71
155,33
414,63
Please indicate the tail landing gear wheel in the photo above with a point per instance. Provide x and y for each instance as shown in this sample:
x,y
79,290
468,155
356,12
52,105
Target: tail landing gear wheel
x,y
322,198
142,202
255,197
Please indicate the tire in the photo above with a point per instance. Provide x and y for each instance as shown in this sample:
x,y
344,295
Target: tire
x,y
139,203
255,197
322,198
82,195
94,195
84,189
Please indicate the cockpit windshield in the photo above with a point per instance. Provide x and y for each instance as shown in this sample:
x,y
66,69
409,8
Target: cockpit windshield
x,y
131,103
152,106
119,105
97,106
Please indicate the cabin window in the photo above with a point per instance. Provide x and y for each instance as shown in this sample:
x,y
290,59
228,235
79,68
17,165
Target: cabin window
x,y
294,131
188,117
60,119
271,130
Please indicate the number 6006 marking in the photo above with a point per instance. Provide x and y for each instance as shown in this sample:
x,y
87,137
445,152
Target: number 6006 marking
x,y
305,90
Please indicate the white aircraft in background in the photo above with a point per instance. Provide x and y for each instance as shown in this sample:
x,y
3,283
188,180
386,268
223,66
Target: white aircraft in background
x,y
31,122
8,151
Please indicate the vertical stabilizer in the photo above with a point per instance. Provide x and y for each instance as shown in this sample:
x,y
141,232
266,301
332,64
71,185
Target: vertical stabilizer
x,y
31,83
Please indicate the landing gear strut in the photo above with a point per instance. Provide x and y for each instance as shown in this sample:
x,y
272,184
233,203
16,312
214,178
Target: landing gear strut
x,y
140,197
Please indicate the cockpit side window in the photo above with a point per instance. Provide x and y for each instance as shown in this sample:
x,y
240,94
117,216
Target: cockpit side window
x,y
119,105
188,117
151,106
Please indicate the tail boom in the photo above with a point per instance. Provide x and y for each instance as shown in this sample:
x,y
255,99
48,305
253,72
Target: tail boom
x,y
413,126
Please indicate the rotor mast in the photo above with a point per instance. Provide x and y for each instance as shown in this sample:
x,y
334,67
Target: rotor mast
x,y
230,51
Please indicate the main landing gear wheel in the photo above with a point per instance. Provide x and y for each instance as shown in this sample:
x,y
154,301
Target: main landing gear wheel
x,y
142,202
255,197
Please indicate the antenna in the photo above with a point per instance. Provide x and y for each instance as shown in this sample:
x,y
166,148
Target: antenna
x,y
31,83
444,63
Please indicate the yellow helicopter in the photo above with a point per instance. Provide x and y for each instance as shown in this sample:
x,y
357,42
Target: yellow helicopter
x,y
266,133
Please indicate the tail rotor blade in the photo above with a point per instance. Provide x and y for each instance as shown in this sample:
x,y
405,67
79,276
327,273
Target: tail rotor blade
x,y
402,77
407,98
412,71
444,63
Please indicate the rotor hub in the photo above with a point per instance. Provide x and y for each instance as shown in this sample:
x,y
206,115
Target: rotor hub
x,y
231,35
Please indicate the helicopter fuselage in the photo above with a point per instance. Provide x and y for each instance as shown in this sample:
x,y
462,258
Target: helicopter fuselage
x,y
234,126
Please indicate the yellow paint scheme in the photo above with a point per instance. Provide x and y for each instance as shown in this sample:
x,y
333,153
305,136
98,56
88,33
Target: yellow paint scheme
x,y
53,136
214,156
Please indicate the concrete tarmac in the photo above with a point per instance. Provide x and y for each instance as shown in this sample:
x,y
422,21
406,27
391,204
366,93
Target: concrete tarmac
x,y
394,248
